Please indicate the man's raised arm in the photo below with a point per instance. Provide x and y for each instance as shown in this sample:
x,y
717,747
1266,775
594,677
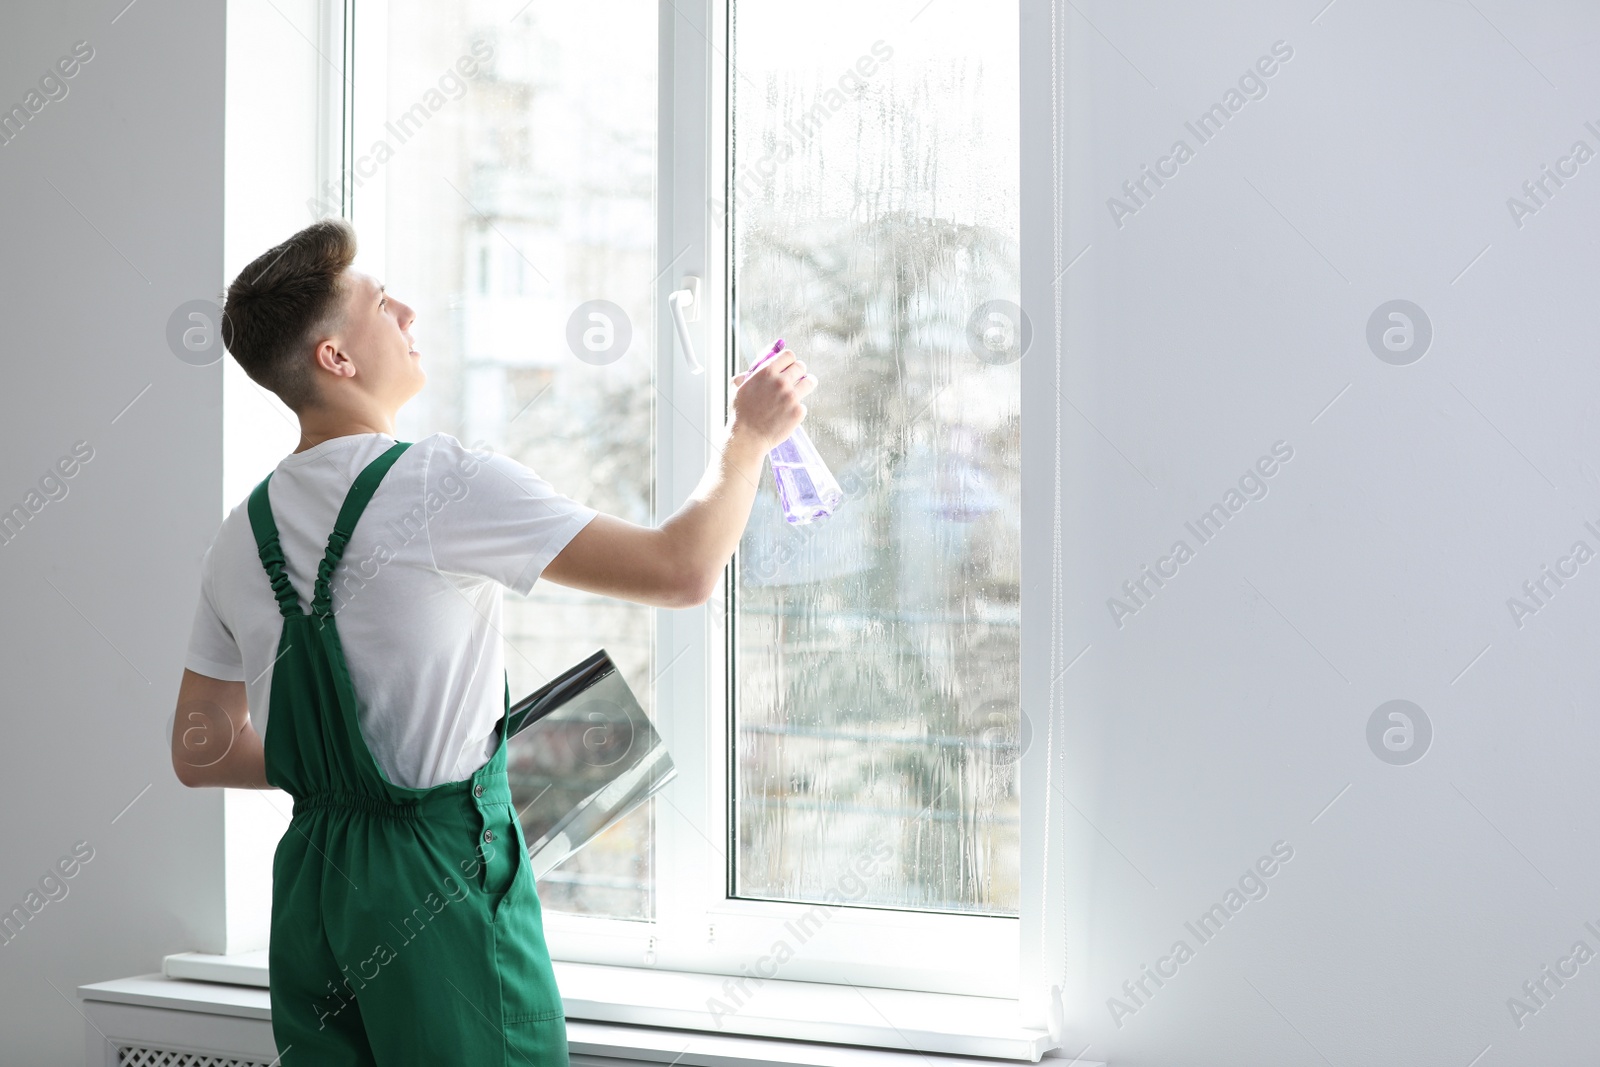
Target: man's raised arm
x,y
678,564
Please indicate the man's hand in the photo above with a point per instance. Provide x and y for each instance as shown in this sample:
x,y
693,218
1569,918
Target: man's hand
x,y
767,403
679,564
213,742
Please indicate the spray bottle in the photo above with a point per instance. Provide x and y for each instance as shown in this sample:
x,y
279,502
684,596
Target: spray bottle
x,y
807,489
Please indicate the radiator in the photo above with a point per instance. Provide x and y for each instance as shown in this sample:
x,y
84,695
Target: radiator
x,y
141,1056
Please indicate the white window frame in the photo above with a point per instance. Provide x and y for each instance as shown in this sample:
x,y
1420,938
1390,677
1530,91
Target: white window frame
x,y
1050,975
697,927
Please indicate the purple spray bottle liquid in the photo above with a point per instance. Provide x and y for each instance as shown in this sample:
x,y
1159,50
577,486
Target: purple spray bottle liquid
x,y
807,489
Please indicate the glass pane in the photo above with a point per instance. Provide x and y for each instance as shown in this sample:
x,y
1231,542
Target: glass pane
x,y
874,208
521,194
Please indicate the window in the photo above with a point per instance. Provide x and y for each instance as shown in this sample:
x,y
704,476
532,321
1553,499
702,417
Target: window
x,y
845,717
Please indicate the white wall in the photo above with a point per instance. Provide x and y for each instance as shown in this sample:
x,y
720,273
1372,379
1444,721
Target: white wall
x,y
138,146
112,218
1230,711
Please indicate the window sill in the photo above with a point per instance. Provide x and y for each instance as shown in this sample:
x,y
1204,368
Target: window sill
x,y
638,1001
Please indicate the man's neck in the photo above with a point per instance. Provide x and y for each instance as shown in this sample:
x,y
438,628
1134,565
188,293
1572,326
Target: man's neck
x,y
317,426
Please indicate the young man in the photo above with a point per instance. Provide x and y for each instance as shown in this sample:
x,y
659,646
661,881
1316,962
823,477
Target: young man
x,y
346,649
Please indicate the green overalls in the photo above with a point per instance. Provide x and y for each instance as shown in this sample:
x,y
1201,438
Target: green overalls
x,y
405,924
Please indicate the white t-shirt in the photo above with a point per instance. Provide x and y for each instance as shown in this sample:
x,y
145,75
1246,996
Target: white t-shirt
x,y
417,596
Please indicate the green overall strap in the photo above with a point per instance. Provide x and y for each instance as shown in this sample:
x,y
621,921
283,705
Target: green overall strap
x,y
271,552
355,503
270,549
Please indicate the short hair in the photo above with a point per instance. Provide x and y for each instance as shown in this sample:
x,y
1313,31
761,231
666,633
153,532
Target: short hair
x,y
277,305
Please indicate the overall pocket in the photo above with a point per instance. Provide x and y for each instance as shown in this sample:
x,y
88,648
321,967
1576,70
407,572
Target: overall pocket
x,y
500,854
531,1006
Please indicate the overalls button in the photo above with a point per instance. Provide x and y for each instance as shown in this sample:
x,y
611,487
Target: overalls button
x,y
488,835
477,790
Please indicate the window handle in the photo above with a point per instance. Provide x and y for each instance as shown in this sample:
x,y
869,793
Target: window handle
x,y
677,301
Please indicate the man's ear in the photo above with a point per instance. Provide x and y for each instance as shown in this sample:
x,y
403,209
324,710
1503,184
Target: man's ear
x,y
331,358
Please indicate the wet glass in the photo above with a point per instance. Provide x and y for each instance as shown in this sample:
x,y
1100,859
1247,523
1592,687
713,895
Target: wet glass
x,y
874,209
